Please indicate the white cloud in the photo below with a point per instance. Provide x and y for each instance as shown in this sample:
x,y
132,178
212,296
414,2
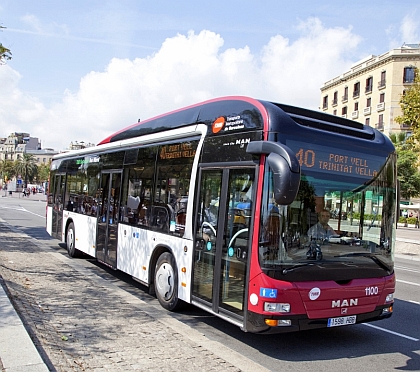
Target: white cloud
x,y
409,29
407,32
187,69
37,26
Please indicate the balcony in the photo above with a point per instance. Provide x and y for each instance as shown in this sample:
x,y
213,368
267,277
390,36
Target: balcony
x,y
344,116
379,126
356,93
355,114
344,98
382,84
405,126
367,110
325,106
334,102
368,89
380,106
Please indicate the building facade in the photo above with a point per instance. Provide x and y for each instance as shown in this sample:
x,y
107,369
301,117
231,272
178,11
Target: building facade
x,y
370,91
16,144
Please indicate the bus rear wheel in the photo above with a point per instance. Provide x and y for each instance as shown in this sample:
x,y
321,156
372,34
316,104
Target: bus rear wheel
x,y
71,242
166,282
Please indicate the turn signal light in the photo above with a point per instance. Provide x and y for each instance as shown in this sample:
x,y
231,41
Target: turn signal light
x,y
278,322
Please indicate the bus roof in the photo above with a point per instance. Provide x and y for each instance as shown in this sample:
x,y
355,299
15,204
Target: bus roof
x,y
240,113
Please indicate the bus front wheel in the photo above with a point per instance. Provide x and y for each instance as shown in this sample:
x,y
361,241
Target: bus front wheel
x,y
71,241
166,282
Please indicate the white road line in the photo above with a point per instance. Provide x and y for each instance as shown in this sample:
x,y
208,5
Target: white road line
x,y
388,331
411,283
407,269
19,208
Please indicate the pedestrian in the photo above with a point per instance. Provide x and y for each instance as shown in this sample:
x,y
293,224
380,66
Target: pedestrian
x,y
417,221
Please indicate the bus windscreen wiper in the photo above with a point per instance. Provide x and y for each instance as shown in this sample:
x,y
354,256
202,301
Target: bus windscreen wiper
x,y
373,257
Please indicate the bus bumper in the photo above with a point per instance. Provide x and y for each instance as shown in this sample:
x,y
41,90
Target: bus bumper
x,y
256,323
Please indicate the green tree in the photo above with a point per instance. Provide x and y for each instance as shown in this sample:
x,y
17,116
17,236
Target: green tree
x,y
408,174
5,53
410,107
26,167
407,165
7,168
43,172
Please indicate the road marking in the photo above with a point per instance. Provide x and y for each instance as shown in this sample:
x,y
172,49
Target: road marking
x,y
19,208
411,283
392,332
16,208
407,269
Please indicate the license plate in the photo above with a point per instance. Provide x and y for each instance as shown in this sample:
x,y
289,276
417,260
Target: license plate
x,y
341,321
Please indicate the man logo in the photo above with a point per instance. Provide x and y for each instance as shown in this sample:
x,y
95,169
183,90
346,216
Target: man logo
x,y
345,303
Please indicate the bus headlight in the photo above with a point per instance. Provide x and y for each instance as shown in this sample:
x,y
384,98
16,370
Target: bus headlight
x,y
274,307
389,298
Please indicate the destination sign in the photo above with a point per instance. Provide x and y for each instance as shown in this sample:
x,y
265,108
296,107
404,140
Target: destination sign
x,y
179,150
337,161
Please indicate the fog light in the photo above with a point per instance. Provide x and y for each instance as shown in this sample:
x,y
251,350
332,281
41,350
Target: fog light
x,y
389,298
274,307
387,310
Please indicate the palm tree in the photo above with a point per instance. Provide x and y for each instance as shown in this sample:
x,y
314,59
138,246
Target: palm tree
x,y
5,54
26,166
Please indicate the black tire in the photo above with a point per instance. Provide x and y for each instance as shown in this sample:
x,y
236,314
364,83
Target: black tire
x,y
71,242
166,282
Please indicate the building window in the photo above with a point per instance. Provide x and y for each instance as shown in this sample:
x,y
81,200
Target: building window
x,y
380,122
325,102
382,98
356,106
335,112
344,111
382,83
409,74
367,121
335,99
346,94
369,102
369,85
356,90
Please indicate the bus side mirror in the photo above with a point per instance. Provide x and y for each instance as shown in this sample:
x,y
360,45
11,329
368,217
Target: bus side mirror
x,y
285,167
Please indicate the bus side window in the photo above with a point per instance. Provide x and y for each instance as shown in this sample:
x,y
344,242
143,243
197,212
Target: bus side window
x,y
160,219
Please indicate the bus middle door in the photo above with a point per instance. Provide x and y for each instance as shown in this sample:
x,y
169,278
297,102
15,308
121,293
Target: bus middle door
x,y
223,223
108,217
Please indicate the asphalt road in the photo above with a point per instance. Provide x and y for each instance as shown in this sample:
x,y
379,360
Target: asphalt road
x,y
111,321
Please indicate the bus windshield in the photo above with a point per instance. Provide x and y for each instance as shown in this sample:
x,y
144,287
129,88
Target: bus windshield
x,y
338,227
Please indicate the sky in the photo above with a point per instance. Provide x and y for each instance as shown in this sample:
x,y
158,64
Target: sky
x,y
84,69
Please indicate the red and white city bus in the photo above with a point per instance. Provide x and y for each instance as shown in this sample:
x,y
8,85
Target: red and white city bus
x,y
212,205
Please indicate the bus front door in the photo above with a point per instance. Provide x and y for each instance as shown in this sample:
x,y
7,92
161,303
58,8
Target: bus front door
x,y
221,253
57,212
108,217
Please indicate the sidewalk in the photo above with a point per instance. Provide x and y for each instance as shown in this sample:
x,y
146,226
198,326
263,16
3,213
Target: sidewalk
x,y
19,195
81,319
17,350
